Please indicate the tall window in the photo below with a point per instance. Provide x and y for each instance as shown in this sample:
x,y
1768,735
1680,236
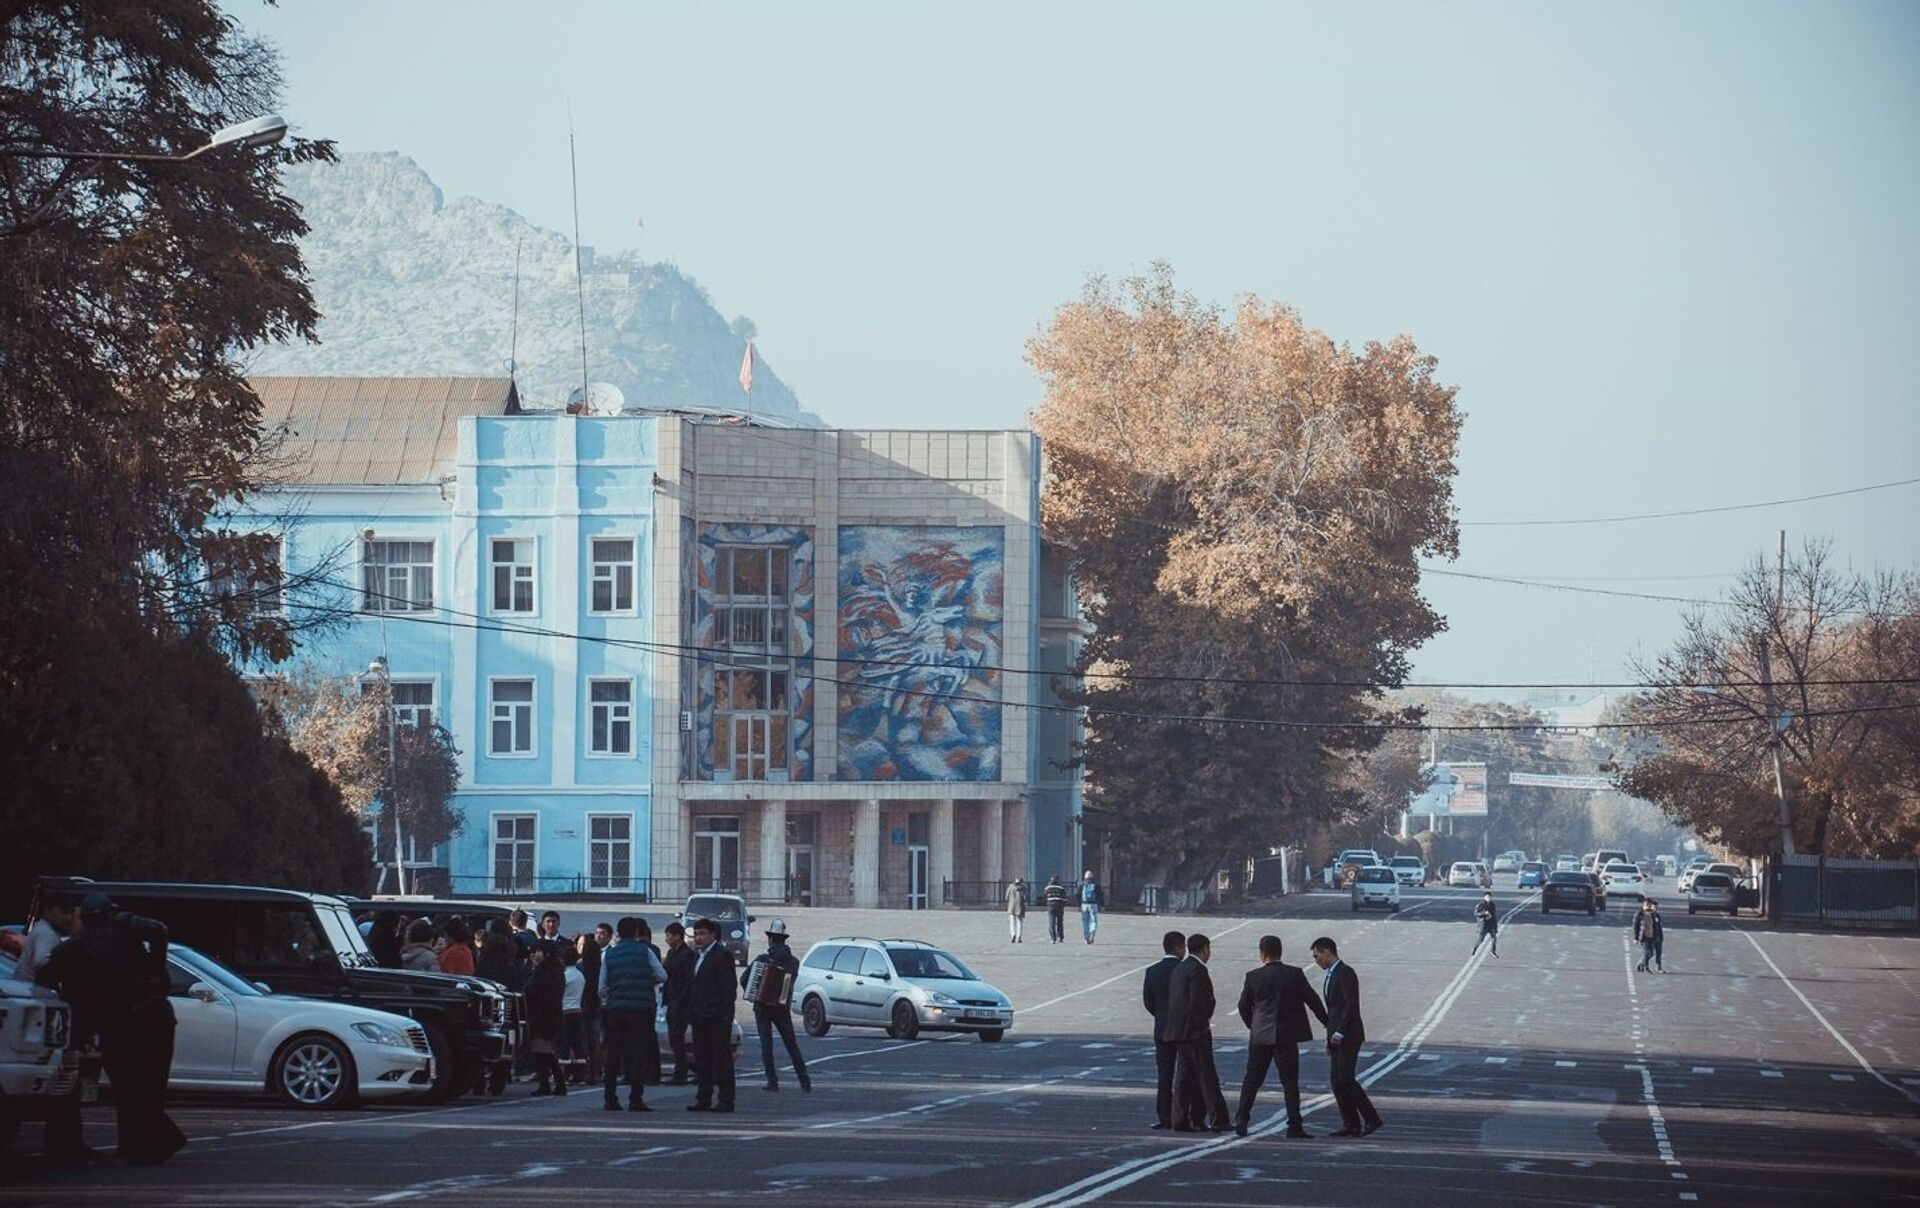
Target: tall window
x,y
752,680
512,559
512,715
256,593
513,852
397,576
611,586
609,851
610,708
413,703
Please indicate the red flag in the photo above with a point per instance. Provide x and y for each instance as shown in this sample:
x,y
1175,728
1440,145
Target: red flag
x,y
746,369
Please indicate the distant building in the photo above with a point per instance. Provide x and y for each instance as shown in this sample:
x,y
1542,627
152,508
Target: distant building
x,y
1577,710
679,654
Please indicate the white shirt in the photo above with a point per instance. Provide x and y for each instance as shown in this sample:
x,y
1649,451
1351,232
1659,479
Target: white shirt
x,y
576,987
41,941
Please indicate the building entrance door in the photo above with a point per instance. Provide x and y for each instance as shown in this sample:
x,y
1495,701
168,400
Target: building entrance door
x,y
800,876
917,865
716,854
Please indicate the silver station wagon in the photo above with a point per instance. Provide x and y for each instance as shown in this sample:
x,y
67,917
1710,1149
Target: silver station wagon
x,y
904,986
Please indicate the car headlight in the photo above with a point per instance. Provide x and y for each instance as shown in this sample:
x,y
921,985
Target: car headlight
x,y
379,1033
735,934
943,1000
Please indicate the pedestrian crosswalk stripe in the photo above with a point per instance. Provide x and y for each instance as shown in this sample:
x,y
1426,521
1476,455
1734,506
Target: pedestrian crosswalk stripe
x,y
1703,1069
1565,1065
1496,1061
1771,1074
1841,1077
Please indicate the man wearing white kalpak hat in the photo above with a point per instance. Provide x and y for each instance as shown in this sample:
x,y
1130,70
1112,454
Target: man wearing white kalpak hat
x,y
769,1016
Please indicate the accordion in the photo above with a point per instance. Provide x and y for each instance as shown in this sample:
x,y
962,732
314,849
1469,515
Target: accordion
x,y
768,985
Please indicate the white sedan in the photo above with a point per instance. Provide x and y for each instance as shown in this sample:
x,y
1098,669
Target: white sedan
x,y
235,1036
1622,878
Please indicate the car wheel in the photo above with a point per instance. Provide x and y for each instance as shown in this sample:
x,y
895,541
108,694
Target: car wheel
x,y
904,1023
992,1035
813,1016
314,1072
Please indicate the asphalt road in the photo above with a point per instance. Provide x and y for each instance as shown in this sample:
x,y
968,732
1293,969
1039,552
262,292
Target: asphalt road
x,y
1765,1067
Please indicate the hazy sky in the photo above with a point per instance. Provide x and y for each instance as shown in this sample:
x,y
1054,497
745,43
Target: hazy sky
x,y
1670,254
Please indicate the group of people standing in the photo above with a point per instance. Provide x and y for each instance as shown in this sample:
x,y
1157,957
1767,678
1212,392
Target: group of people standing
x,y
1055,897
1274,1003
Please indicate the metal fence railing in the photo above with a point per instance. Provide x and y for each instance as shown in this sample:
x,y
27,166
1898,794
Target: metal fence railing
x,y
1881,892
756,890
978,893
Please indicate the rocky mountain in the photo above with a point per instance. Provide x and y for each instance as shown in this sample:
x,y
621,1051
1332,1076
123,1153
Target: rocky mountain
x,y
410,284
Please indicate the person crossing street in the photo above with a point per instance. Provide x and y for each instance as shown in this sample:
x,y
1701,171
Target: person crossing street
x,y
1092,897
1651,934
778,1016
1055,896
1016,910
1489,916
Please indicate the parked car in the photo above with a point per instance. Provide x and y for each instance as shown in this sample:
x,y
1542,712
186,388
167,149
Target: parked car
x,y
727,909
1376,886
1463,873
1622,878
40,1063
307,944
234,1035
904,986
1409,870
1568,890
1533,874
1685,880
1713,891
1509,861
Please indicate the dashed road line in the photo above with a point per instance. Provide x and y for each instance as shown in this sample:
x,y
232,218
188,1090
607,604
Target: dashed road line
x,y
1831,1030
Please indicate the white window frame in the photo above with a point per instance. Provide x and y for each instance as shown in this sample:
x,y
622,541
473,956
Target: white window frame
x,y
633,569
493,841
533,716
279,608
633,823
434,577
633,714
433,689
531,578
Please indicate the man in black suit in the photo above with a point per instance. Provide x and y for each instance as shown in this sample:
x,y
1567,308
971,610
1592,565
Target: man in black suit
x,y
1274,1005
1153,995
710,999
1345,1034
678,961
1197,1101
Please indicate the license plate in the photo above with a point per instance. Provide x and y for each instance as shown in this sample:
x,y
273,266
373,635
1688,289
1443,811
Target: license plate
x,y
979,1014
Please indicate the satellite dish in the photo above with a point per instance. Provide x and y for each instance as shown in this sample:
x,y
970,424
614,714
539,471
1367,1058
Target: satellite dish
x,y
599,398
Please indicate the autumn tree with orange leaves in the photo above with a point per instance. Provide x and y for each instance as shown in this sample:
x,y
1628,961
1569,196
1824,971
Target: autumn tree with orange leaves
x,y
1243,499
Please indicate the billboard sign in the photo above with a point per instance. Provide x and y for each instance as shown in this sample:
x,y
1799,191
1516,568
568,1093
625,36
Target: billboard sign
x,y
1454,790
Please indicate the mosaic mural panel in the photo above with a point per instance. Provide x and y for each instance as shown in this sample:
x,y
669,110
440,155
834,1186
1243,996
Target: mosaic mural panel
x,y
791,731
921,613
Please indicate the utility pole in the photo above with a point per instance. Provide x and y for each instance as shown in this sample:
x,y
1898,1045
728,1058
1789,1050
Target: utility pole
x,y
1766,687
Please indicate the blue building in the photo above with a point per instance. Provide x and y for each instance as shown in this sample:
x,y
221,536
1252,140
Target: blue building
x,y
680,654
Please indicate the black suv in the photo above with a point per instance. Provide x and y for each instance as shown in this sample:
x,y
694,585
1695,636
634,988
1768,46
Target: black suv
x,y
307,944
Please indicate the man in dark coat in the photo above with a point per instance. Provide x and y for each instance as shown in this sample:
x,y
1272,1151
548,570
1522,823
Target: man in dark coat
x,y
1055,896
679,962
769,1018
1197,1101
1346,1032
114,975
1273,1004
1154,992
710,1001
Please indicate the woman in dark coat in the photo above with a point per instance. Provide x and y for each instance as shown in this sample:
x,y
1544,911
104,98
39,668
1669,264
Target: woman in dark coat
x,y
546,990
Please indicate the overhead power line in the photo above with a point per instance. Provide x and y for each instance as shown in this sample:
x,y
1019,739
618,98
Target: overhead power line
x,y
1677,512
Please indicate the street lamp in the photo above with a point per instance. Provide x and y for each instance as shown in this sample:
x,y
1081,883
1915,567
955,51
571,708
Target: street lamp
x,y
261,131
378,670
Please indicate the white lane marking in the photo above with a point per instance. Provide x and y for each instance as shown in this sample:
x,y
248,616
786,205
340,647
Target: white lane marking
x,y
1841,1077
1565,1065
1831,1030
643,1155
1656,1119
935,1105
1022,1011
1125,1174
467,1182
1703,1069
1496,1061
1771,1074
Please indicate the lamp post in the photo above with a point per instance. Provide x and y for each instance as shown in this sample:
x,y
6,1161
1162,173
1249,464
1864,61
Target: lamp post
x,y
378,670
261,131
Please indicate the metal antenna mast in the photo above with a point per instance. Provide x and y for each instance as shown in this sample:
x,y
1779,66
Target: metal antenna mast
x,y
579,279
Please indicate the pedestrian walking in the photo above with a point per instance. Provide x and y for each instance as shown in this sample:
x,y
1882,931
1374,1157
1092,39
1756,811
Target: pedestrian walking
x,y
630,974
778,1016
1016,910
1055,896
113,973
1197,1101
1155,991
1489,916
1650,933
546,1016
1346,1033
1273,1004
1092,898
710,1001
679,965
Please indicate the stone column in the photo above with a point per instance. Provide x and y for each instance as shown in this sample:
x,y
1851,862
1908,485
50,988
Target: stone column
x,y
773,849
866,854
1018,861
993,842
940,852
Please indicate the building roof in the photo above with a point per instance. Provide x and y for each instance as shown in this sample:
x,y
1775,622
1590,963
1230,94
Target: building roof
x,y
373,431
